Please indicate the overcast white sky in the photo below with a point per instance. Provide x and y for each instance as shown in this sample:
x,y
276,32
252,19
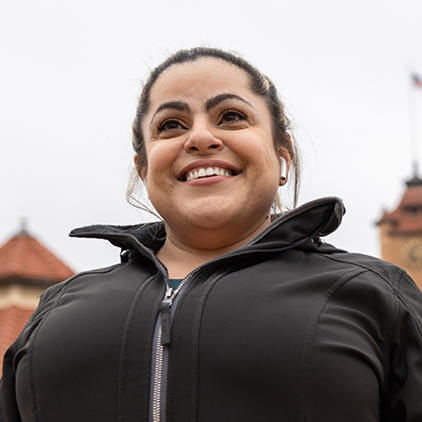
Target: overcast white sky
x,y
71,72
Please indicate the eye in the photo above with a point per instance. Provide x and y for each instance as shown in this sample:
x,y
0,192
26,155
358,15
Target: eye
x,y
232,116
169,124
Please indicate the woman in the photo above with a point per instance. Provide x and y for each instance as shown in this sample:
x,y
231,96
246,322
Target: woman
x,y
217,314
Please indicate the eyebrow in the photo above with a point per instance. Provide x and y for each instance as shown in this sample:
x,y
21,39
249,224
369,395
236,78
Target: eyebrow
x,y
213,102
176,105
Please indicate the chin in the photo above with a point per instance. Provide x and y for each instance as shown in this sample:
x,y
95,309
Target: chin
x,y
208,218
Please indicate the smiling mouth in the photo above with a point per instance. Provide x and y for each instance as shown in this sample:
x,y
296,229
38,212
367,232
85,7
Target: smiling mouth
x,y
202,172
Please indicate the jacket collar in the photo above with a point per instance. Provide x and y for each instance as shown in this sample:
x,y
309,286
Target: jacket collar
x,y
309,221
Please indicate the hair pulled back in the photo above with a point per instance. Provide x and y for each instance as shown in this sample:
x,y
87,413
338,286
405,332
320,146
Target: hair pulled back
x,y
260,84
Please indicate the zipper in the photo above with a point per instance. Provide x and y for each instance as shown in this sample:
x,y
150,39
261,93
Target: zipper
x,y
162,339
163,325
158,372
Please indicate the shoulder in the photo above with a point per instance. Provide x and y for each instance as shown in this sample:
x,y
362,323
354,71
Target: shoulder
x,y
386,271
388,280
82,281
56,289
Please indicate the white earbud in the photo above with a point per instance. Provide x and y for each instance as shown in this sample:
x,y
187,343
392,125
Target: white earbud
x,y
283,169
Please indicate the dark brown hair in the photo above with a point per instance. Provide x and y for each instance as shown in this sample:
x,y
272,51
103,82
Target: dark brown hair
x,y
260,84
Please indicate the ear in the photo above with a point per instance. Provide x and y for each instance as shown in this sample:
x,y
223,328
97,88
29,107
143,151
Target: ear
x,y
141,172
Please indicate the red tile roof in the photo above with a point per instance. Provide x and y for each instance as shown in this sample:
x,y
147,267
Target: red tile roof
x,y
23,257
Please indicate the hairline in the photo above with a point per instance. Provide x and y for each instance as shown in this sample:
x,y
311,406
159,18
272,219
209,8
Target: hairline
x,y
191,61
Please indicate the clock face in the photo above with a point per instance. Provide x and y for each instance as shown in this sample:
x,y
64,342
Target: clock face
x,y
412,253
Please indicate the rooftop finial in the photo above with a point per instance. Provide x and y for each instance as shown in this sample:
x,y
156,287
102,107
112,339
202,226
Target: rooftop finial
x,y
415,169
24,225
415,180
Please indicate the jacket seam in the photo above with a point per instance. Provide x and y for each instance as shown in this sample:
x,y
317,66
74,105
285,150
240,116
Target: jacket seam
x,y
200,313
392,324
123,370
196,338
410,309
386,347
31,373
399,275
369,269
310,337
82,274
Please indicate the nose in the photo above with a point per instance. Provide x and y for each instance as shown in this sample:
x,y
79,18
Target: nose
x,y
202,138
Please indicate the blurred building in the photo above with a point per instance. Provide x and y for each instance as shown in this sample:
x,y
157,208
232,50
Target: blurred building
x,y
401,231
27,268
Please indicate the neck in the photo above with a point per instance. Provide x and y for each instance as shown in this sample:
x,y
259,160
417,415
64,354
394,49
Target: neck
x,y
181,254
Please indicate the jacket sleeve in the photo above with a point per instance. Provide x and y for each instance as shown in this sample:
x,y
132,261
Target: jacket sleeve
x,y
9,411
405,371
8,406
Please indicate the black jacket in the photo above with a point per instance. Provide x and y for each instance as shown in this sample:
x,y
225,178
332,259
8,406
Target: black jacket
x,y
285,328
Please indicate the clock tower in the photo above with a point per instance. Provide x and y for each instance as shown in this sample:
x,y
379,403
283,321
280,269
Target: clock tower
x,y
401,231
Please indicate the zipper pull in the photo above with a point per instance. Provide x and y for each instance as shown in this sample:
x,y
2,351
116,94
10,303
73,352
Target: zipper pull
x,y
165,316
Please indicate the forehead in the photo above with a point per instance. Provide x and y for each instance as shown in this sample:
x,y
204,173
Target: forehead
x,y
199,80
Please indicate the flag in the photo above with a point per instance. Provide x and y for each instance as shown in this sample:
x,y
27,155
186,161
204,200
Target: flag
x,y
417,80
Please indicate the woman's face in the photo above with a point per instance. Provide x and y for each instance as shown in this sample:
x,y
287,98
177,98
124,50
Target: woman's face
x,y
210,152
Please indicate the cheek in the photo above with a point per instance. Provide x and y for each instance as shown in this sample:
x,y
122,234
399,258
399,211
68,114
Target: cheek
x,y
263,154
161,165
158,158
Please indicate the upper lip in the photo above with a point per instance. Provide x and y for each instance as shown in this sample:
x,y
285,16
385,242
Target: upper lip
x,y
204,164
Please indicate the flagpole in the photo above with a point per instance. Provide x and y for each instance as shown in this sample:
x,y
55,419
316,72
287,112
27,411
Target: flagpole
x,y
413,124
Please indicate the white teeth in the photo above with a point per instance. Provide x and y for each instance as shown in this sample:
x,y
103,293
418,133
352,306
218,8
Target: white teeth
x,y
209,171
